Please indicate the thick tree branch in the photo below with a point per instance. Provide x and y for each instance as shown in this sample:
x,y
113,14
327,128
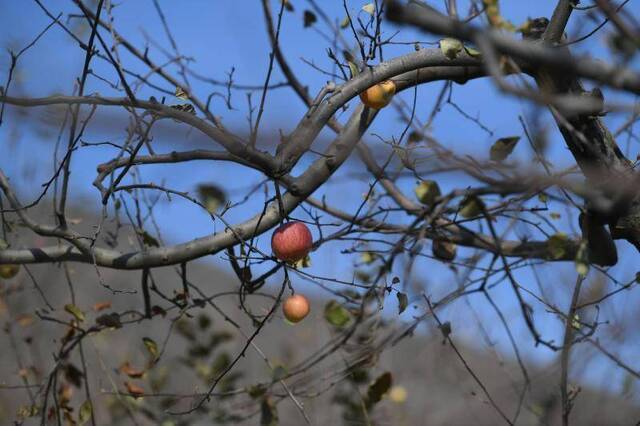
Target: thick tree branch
x,y
231,143
558,21
528,51
300,140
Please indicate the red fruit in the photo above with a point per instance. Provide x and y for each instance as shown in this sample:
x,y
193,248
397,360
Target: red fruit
x,y
295,308
291,242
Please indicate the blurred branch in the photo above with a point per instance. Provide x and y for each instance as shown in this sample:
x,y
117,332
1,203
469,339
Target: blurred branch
x,y
527,51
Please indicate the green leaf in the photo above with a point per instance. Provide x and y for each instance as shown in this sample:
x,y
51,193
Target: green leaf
x,y
336,314
474,53
354,69
185,328
220,363
414,137
84,414
471,206
451,47
445,329
444,250
403,302
279,372
358,375
204,321
211,197
148,239
268,412
370,8
427,191
381,386
72,374
151,346
309,18
501,149
75,311
557,245
345,22
256,391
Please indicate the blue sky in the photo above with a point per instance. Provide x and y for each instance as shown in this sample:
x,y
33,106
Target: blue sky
x,y
225,34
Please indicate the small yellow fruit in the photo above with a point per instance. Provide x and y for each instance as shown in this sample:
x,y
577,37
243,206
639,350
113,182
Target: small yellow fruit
x,y
296,308
380,95
9,271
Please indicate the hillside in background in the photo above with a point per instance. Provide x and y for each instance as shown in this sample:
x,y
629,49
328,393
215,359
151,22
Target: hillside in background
x,y
192,344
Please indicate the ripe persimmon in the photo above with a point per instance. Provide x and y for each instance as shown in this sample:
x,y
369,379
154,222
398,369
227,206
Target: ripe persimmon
x,y
379,95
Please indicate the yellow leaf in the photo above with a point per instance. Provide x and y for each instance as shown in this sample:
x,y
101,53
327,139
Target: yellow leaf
x,y
353,68
398,394
575,322
451,47
151,346
427,191
582,260
75,311
492,10
471,207
370,8
84,414
503,147
474,53
181,94
367,257
557,245
211,196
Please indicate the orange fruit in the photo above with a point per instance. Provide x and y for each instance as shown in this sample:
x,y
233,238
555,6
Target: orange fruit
x,y
296,308
379,95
